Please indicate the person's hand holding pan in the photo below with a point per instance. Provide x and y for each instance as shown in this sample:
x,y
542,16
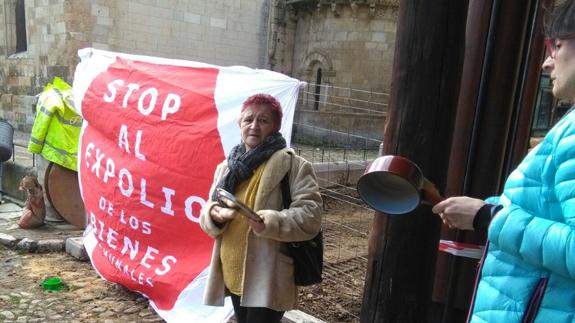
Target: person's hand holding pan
x,y
395,185
227,198
222,214
459,211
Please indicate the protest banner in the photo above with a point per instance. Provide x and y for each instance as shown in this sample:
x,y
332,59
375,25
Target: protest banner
x,y
154,130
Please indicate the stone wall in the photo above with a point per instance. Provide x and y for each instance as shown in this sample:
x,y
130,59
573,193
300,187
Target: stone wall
x,y
351,42
25,73
231,32
344,49
54,33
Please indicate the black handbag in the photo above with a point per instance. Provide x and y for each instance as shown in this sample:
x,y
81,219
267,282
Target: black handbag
x,y
307,255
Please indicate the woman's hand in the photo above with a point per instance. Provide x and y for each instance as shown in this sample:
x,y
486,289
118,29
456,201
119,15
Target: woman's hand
x,y
458,212
256,226
222,215
259,226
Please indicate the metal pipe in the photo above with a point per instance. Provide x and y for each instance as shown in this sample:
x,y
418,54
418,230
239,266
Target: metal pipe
x,y
520,91
482,97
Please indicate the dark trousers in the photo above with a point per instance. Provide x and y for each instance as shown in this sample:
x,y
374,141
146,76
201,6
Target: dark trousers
x,y
254,314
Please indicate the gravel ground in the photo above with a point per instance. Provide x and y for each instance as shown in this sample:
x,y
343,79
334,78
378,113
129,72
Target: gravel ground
x,y
85,297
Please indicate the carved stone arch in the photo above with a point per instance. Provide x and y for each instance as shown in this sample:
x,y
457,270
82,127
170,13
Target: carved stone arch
x,y
317,71
312,60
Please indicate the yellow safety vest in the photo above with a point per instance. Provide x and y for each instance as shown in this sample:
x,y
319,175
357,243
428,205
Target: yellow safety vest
x,y
56,129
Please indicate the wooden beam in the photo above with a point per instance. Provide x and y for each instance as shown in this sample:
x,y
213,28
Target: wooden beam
x,y
425,83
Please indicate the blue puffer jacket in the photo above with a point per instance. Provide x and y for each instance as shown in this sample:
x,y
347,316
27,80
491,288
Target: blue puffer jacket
x,y
528,272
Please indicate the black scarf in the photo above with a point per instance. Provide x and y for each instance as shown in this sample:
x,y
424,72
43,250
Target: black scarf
x,y
242,164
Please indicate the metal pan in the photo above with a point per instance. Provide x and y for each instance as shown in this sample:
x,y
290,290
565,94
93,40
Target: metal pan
x,y
395,185
228,199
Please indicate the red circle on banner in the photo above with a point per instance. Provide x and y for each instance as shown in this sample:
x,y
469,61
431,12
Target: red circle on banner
x,y
147,160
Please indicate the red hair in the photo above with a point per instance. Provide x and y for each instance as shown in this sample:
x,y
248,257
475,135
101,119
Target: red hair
x,y
269,101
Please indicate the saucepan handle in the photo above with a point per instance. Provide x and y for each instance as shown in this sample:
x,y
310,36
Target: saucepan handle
x,y
429,193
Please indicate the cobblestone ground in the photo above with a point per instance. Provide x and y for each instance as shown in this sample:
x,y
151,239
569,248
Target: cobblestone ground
x,y
85,298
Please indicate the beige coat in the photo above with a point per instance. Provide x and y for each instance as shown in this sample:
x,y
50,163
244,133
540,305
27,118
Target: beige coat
x,y
268,274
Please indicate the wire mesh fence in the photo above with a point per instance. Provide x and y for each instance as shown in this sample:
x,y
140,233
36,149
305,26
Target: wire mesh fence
x,y
334,98
340,130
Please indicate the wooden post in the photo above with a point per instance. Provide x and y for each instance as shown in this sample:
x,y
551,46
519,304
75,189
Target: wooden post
x,y
426,76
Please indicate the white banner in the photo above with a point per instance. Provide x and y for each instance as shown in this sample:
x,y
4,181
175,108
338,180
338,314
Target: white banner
x,y
154,131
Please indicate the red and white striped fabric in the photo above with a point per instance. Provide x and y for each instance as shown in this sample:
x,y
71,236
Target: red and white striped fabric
x,y
462,249
154,131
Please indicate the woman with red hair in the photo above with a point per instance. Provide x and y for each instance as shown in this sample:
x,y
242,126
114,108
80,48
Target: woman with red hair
x,y
246,261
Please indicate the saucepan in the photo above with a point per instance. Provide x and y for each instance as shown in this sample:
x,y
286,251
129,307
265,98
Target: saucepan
x,y
395,185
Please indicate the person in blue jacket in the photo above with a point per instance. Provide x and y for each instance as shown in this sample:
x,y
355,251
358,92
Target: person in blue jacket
x,y
528,272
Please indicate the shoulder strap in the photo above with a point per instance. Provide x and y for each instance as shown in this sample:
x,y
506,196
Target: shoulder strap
x,y
286,194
